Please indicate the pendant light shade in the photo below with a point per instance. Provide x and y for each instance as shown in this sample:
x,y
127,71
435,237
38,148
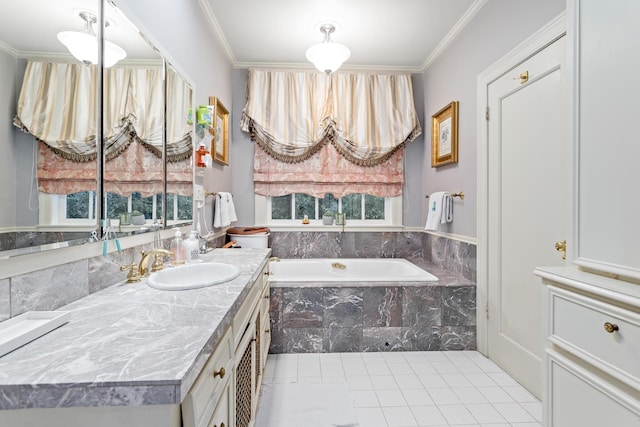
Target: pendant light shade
x,y
83,45
328,56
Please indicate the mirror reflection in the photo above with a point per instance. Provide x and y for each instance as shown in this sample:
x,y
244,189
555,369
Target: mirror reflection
x,y
48,175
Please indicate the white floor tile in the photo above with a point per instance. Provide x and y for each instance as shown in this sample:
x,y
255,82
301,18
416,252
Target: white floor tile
x,y
385,382
416,389
365,399
390,398
432,381
371,417
377,368
469,395
399,417
502,379
435,356
445,367
428,416
495,395
400,368
417,396
443,396
533,408
485,413
514,413
456,380
408,381
480,379
520,394
422,367
456,414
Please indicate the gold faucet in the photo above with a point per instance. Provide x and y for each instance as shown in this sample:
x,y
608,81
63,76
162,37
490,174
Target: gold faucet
x,y
143,268
274,259
137,271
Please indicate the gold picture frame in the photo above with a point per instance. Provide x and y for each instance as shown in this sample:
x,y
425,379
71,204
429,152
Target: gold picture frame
x,y
220,131
444,136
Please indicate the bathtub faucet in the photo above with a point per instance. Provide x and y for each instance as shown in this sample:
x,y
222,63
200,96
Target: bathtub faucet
x,y
274,259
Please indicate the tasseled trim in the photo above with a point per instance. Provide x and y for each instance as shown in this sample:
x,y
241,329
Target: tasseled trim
x,y
329,137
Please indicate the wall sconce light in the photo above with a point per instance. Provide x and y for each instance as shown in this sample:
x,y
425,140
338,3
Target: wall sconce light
x,y
83,45
328,56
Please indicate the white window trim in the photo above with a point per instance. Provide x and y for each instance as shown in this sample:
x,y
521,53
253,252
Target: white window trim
x,y
392,214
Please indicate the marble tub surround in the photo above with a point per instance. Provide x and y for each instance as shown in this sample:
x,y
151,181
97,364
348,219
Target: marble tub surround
x,y
391,316
128,344
454,256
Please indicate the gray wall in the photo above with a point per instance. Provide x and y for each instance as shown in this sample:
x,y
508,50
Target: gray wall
x,y
8,160
497,28
242,158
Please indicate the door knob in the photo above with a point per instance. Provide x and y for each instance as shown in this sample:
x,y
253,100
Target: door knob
x,y
561,246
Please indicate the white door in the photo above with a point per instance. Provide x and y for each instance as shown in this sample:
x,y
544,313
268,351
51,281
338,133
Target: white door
x,y
528,202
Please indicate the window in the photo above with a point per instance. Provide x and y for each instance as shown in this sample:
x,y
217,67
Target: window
x,y
79,208
359,209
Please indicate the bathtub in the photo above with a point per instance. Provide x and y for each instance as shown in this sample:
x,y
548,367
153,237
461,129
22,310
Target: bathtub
x,y
367,271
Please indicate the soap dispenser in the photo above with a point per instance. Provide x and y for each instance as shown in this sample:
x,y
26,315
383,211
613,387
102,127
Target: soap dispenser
x,y
177,248
192,247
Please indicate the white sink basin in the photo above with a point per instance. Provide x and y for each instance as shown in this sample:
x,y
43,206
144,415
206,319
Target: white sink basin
x,y
193,276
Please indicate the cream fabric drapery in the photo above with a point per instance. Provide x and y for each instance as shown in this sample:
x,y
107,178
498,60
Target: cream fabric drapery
x,y
57,105
366,116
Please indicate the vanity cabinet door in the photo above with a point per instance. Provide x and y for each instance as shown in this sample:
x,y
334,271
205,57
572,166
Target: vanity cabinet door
x,y
206,395
580,397
222,414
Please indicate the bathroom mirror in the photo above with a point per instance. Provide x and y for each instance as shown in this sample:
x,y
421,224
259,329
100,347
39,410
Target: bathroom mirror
x,y
60,209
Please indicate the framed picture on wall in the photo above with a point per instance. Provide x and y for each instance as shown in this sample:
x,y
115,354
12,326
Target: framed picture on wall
x,y
444,136
220,131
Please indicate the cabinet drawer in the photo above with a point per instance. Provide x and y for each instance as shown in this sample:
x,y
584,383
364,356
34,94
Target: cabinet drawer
x,y
203,397
578,325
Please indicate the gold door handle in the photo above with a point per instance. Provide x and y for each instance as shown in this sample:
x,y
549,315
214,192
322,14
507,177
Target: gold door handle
x,y
561,246
610,327
219,373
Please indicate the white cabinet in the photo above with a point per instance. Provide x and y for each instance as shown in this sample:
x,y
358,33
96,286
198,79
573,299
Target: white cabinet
x,y
251,341
592,356
226,392
605,110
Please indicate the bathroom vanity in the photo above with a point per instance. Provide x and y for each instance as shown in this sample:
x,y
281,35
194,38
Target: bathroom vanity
x,y
133,355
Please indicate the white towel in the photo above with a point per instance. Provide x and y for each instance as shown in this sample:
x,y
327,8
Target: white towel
x,y
447,208
224,210
440,210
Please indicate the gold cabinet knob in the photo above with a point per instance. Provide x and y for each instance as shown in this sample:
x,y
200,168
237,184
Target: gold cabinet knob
x,y
216,425
219,373
266,331
266,296
610,327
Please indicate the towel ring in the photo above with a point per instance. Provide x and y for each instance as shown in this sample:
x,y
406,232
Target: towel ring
x,y
460,194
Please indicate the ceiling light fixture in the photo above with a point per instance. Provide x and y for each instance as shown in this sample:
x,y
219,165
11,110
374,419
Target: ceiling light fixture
x,y
83,45
328,56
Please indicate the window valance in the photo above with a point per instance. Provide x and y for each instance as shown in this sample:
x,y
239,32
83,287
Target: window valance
x,y
57,105
366,117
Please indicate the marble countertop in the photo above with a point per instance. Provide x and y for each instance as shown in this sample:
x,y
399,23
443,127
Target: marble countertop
x,y
128,344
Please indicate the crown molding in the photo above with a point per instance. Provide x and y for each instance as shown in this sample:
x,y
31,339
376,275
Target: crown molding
x,y
214,25
453,33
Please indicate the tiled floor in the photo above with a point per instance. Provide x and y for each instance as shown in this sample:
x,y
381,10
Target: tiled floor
x,y
400,389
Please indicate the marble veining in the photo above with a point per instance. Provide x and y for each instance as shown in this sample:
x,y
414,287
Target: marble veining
x,y
392,316
127,344
5,304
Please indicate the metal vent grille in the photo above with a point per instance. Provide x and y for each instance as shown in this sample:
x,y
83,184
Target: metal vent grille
x,y
243,389
257,364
